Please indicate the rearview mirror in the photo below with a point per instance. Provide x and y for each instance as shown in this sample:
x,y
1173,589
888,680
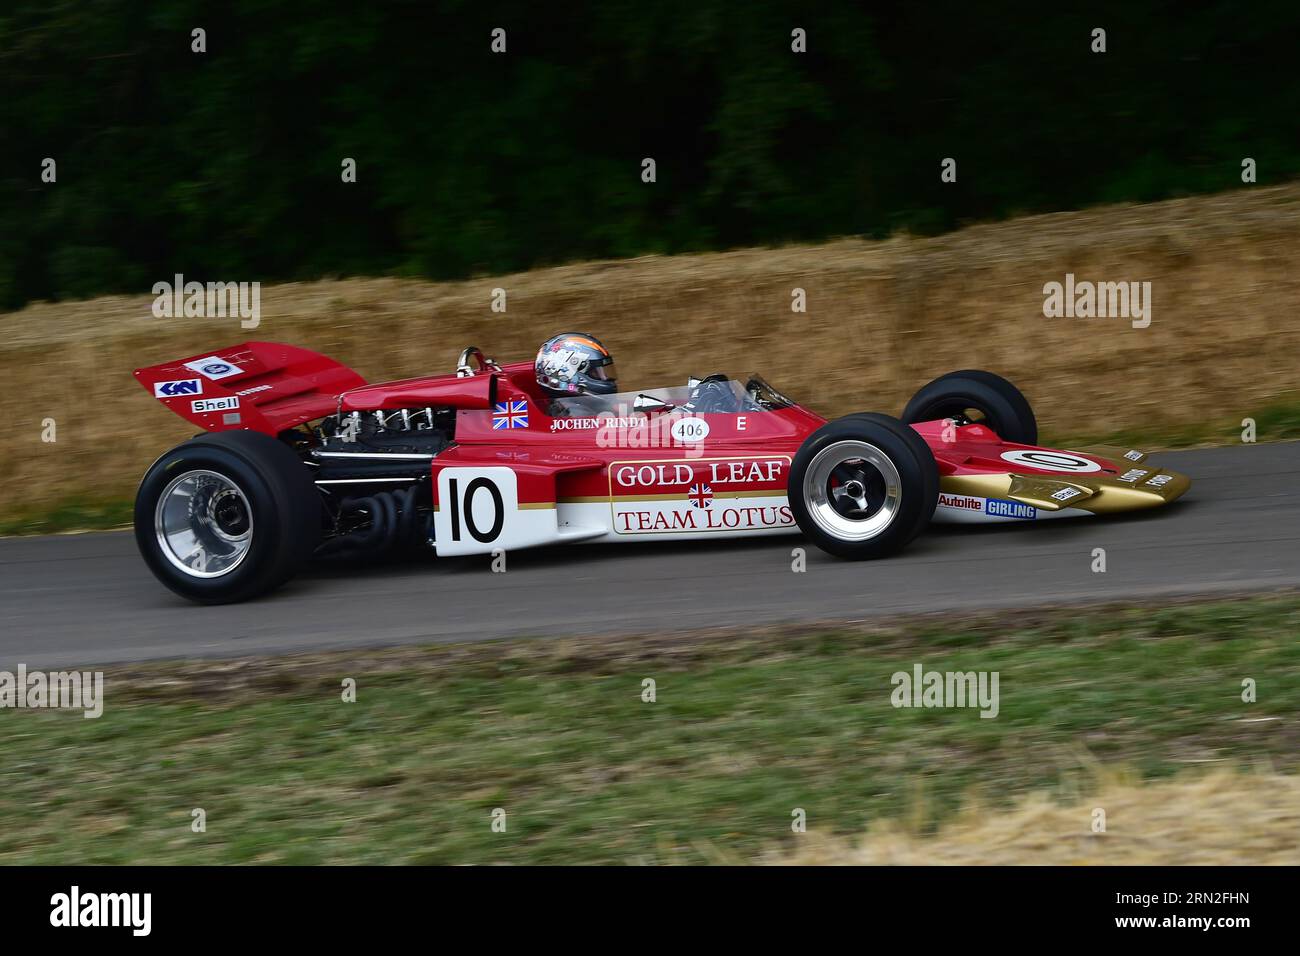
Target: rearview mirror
x,y
648,403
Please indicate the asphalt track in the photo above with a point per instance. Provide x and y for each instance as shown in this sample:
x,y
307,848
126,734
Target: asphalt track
x,y
74,600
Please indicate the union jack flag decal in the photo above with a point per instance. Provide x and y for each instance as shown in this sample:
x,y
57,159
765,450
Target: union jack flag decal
x,y
510,415
701,496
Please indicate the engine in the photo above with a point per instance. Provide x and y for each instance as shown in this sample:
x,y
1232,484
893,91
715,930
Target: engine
x,y
358,444
373,471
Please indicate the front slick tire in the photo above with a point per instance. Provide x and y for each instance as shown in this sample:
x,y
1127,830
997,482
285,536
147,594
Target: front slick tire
x,y
227,516
1003,407
863,486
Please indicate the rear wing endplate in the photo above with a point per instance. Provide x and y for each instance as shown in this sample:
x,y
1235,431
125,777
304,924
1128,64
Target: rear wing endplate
x,y
256,386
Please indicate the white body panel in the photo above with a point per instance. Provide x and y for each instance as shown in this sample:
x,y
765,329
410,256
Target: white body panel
x,y
678,519
480,513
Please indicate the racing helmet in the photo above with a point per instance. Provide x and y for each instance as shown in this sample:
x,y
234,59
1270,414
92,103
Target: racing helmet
x,y
575,363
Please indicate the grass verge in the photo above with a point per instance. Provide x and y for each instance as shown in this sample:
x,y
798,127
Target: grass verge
x,y
73,514
1277,421
744,730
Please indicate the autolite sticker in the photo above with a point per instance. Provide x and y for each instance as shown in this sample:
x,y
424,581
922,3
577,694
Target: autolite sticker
x,y
964,502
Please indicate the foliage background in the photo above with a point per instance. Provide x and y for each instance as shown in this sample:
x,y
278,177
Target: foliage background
x,y
227,164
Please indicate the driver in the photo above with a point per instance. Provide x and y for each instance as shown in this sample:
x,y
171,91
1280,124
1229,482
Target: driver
x,y
577,371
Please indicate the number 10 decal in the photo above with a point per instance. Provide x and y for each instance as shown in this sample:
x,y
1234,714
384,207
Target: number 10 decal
x,y
478,510
454,505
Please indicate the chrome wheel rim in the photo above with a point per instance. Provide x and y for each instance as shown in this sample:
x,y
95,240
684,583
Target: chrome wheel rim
x,y
853,490
204,524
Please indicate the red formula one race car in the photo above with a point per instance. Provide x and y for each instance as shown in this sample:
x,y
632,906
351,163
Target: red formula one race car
x,y
302,457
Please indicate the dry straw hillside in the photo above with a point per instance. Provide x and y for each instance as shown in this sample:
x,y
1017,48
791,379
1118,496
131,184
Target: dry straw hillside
x,y
1219,819
882,318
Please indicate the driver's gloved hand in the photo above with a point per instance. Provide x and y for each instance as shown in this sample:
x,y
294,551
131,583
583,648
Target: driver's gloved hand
x,y
711,395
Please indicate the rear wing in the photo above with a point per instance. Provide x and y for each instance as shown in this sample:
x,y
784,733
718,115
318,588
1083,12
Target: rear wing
x,y
256,386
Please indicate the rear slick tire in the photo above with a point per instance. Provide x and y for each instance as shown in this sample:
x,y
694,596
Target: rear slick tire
x,y
227,516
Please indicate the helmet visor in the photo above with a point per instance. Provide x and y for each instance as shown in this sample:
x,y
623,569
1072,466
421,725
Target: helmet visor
x,y
604,372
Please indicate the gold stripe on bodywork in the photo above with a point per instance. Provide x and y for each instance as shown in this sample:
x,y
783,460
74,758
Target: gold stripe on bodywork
x,y
526,505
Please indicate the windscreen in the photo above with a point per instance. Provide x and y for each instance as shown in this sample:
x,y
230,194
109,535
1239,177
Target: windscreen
x,y
715,397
